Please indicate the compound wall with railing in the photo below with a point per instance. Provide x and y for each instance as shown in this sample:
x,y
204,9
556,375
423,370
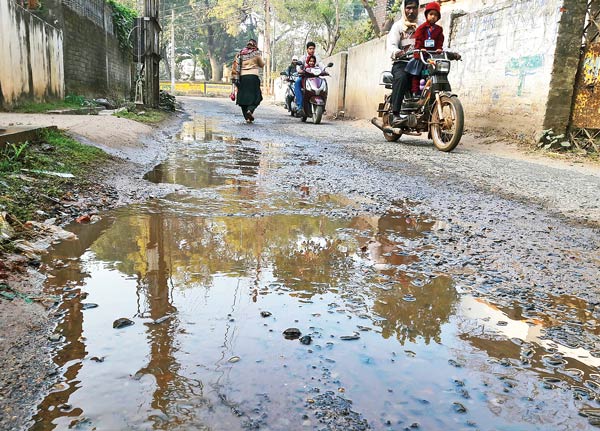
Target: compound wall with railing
x,y
94,63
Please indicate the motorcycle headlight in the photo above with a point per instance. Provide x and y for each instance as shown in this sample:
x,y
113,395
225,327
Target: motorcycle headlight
x,y
442,66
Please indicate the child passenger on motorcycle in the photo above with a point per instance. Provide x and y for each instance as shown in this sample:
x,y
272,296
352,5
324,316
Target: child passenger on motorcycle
x,y
311,61
428,36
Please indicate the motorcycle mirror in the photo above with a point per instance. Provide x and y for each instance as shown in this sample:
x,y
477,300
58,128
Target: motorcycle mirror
x,y
298,63
283,74
330,65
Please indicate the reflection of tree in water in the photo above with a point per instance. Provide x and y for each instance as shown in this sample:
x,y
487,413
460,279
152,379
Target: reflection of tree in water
x,y
421,318
298,247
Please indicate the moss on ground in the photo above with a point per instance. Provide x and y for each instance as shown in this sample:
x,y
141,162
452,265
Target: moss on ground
x,y
150,116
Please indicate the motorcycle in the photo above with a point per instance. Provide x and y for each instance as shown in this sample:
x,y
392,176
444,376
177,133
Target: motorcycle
x,y
289,90
436,110
314,88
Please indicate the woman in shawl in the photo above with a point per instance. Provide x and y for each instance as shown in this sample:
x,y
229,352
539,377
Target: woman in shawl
x,y
245,72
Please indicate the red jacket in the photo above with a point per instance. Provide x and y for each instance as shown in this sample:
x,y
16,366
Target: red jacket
x,y
422,33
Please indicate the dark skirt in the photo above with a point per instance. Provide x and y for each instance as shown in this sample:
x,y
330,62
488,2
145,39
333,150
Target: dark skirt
x,y
414,67
249,91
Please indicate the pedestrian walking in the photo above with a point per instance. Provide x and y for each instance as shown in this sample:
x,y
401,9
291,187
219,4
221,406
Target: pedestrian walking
x,y
245,72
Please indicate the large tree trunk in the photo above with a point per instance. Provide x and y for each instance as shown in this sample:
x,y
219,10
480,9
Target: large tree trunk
x,y
215,68
372,17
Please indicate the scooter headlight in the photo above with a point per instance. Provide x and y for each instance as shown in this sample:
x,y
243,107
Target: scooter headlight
x,y
442,66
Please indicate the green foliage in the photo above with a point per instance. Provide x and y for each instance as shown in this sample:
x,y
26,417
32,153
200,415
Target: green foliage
x,y
21,195
123,21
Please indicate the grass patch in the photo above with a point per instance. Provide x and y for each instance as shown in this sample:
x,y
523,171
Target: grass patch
x,y
38,108
24,193
150,116
70,102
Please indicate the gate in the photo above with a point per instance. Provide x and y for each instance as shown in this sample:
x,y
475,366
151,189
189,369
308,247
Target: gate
x,y
584,129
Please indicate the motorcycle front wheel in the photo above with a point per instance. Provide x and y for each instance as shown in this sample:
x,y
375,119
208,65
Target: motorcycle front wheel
x,y
447,132
317,114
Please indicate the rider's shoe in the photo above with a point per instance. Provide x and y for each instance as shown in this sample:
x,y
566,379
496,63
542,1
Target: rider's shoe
x,y
249,117
301,113
399,120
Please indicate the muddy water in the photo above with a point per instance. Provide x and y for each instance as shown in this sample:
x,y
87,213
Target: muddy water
x,y
393,343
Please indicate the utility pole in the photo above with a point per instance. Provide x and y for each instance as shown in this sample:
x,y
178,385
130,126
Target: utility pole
x,y
151,52
268,46
274,61
172,51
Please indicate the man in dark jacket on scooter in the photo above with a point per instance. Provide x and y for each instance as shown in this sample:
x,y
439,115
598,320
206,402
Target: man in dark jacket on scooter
x,y
401,39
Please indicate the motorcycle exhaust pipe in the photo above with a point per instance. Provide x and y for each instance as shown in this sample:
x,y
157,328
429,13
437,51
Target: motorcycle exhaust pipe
x,y
378,122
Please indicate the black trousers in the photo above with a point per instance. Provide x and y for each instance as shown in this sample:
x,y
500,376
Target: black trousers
x,y
400,85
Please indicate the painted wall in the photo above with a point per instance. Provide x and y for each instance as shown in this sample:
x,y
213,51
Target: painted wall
x,y
363,92
32,57
336,83
508,59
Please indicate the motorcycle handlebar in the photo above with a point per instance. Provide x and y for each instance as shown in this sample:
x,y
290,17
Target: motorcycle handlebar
x,y
446,55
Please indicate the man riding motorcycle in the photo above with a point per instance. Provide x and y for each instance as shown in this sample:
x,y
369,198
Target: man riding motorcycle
x,y
401,39
310,51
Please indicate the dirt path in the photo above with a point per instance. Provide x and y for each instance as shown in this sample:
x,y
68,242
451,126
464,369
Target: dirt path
x,y
349,160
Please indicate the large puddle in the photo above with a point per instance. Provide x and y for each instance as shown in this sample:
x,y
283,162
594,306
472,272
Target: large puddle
x,y
214,274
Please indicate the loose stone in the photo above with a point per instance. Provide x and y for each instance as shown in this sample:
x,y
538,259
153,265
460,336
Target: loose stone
x,y
122,323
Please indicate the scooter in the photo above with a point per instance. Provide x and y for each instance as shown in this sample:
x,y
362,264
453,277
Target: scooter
x,y
436,110
314,87
289,90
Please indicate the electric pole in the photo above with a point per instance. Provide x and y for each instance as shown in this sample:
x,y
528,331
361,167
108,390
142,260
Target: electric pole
x,y
268,46
151,53
172,51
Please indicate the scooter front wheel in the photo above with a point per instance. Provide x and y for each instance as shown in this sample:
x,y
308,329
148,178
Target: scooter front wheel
x,y
318,114
447,131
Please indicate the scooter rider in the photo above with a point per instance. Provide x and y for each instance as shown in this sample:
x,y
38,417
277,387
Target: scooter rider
x,y
310,50
291,69
401,39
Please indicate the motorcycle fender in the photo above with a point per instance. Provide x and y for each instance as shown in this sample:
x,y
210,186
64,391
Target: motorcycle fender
x,y
317,101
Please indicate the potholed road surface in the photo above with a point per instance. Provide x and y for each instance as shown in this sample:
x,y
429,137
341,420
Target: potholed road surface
x,y
303,277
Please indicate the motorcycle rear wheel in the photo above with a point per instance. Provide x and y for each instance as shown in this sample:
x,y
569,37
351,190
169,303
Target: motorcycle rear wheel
x,y
317,114
446,133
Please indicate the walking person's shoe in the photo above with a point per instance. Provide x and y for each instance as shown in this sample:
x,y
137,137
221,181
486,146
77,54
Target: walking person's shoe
x,y
249,117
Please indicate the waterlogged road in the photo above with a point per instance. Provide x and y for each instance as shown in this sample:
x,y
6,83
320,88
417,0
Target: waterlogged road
x,y
410,297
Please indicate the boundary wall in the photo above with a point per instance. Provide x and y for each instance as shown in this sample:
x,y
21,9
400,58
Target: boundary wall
x,y
32,57
520,60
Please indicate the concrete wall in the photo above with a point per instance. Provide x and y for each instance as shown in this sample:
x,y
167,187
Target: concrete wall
x,y
508,52
94,63
32,57
363,92
336,83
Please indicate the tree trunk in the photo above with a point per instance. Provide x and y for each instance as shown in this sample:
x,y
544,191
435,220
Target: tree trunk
x,y
372,17
215,68
193,77
335,35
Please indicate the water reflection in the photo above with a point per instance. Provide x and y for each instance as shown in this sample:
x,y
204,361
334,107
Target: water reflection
x,y
388,332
